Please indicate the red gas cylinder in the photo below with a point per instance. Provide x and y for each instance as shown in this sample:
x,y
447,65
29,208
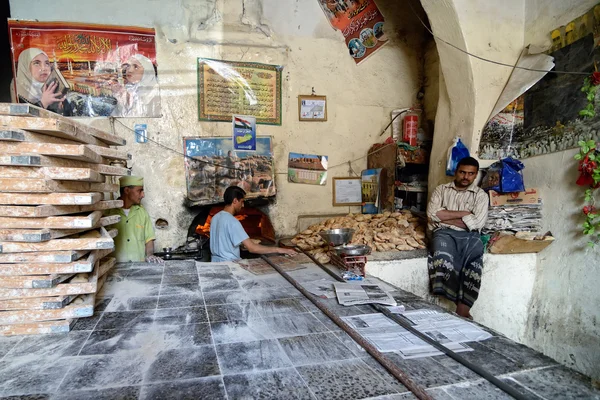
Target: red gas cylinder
x,y
410,128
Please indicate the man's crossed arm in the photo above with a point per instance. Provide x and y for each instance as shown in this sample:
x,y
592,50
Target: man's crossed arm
x,y
452,217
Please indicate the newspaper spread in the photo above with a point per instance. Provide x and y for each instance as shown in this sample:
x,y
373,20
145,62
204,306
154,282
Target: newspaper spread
x,y
350,294
445,328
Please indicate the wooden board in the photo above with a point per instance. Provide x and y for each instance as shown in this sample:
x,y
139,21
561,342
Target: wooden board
x,y
36,328
81,243
67,222
33,281
56,173
63,289
73,310
83,265
43,235
45,161
64,199
33,111
36,303
42,257
50,211
111,154
70,151
12,185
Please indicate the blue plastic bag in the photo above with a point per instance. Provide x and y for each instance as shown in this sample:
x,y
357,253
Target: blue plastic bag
x,y
456,152
504,176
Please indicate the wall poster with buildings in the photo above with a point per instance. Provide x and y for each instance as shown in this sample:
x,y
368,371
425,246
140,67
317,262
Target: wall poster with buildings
x,y
546,118
212,165
361,24
85,70
227,88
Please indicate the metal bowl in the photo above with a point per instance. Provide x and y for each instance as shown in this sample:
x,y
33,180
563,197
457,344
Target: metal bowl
x,y
337,237
352,250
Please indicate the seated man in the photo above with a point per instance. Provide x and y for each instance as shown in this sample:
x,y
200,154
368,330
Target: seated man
x,y
227,233
135,241
457,211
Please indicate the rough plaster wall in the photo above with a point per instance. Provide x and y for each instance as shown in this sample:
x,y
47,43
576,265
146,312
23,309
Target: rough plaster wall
x,y
431,85
564,321
291,33
490,29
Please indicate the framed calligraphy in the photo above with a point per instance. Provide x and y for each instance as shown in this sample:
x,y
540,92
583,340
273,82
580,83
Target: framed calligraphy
x,y
227,88
85,70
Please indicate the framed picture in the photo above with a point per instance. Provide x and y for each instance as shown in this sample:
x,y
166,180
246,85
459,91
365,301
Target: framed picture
x,y
312,108
347,191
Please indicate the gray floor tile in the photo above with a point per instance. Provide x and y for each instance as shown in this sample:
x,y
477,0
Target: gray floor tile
x,y
524,357
180,316
476,391
132,320
557,383
457,368
207,276
120,393
101,304
181,289
142,271
38,396
437,394
387,377
240,331
113,341
203,388
284,306
301,324
7,343
51,345
133,303
265,283
226,297
236,358
180,268
177,279
488,359
133,288
31,375
349,379
207,270
87,323
315,349
284,384
124,368
183,363
522,389
325,320
180,300
232,312
273,294
216,284
351,344
425,371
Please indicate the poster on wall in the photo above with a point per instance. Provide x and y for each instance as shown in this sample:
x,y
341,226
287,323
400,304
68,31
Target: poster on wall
x,y
212,165
85,70
307,168
547,119
361,24
244,132
227,88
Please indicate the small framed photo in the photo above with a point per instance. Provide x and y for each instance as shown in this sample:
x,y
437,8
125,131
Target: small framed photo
x,y
347,191
312,108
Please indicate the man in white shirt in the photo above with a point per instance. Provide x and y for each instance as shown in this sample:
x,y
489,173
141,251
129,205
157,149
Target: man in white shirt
x,y
456,212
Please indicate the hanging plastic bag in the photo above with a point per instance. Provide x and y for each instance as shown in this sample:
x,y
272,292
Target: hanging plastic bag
x,y
456,152
504,176
511,179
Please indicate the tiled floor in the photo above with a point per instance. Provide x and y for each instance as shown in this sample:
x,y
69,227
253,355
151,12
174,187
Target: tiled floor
x,y
216,331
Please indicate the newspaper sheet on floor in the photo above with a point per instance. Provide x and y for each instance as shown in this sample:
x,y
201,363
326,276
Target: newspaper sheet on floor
x,y
350,294
445,328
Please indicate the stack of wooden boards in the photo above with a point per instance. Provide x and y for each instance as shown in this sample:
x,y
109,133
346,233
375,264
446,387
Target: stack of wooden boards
x,y
54,175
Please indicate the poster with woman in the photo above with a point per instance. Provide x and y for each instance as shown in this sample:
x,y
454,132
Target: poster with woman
x,y
85,70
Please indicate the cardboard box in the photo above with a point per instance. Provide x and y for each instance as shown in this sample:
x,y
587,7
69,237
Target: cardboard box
x,y
505,243
529,196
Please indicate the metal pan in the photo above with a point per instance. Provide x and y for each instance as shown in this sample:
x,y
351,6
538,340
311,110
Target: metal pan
x,y
352,250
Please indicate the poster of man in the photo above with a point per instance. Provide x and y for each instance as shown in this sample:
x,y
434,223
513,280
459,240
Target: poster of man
x,y
85,70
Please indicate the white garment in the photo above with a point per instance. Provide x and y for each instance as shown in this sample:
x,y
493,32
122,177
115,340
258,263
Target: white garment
x,y
141,99
27,87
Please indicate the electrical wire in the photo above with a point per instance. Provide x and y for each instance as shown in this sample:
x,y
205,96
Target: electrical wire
x,y
492,61
176,151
